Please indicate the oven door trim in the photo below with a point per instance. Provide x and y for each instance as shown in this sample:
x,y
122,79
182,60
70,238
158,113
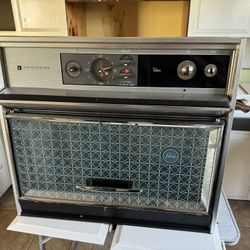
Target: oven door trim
x,y
122,216
19,200
174,121
118,108
217,123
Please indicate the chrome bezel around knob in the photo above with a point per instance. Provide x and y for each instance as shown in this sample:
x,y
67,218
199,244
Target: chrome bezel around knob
x,y
186,70
210,70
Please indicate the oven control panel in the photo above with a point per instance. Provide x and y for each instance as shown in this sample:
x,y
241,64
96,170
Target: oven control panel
x,y
110,70
146,70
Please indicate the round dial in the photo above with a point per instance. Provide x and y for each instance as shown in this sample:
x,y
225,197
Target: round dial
x,y
101,69
186,70
73,69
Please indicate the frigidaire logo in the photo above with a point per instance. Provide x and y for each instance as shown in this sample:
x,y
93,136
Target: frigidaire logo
x,y
27,67
170,155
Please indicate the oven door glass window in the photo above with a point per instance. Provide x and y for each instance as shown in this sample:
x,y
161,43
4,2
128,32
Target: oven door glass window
x,y
147,165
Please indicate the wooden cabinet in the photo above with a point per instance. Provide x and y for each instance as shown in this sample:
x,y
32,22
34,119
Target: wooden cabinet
x,y
109,18
33,18
6,16
40,17
123,18
127,18
221,18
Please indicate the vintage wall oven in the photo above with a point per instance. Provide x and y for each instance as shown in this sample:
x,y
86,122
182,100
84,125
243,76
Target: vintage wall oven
x,y
129,131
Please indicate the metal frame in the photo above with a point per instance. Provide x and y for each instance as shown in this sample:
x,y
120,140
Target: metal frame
x,y
92,119
217,123
2,72
154,92
219,178
42,240
121,108
133,46
97,43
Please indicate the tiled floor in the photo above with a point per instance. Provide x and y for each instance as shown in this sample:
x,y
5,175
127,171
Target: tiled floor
x,y
241,211
20,241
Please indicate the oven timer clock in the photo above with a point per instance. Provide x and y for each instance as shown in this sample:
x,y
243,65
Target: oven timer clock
x,y
102,69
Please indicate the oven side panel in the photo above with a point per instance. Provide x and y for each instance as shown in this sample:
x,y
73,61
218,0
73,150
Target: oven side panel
x,y
9,156
4,132
233,88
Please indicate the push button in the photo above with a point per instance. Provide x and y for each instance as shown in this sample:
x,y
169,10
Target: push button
x,y
126,72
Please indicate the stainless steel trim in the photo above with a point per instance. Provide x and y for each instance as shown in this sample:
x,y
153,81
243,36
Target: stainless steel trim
x,y
215,163
218,185
125,92
143,46
235,67
121,108
119,42
58,118
94,120
148,51
230,78
33,198
108,189
2,72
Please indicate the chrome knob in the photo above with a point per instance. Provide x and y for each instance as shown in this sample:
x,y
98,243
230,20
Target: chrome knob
x,y
210,70
186,70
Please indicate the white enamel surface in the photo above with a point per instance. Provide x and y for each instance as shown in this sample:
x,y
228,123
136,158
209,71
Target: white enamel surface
x,y
4,173
237,170
142,238
219,18
88,232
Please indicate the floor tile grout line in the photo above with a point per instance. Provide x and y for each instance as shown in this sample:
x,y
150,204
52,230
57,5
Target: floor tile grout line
x,y
34,237
9,210
8,207
248,228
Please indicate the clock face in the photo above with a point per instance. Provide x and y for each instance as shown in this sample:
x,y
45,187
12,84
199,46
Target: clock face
x,y
101,69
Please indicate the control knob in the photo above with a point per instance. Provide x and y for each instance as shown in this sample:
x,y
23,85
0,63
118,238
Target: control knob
x,y
186,70
73,69
210,70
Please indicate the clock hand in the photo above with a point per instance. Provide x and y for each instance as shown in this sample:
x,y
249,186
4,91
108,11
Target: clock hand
x,y
106,68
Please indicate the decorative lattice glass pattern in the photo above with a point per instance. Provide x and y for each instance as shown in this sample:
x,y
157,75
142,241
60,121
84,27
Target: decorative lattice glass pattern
x,y
172,165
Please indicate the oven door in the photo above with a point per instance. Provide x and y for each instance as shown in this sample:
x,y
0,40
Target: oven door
x,y
115,169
